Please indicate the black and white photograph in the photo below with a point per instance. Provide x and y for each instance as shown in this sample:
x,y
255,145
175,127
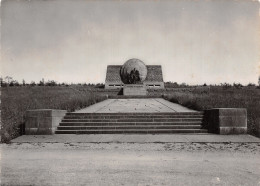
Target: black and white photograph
x,y
130,92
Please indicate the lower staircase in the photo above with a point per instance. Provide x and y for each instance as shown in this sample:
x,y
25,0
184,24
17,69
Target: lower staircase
x,y
131,123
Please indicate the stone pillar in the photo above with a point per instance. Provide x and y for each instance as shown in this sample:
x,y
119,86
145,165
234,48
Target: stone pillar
x,y
226,120
43,121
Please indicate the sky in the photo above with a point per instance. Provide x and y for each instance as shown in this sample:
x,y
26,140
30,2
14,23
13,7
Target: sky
x,y
195,41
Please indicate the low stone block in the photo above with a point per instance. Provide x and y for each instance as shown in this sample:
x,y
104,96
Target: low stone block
x,y
226,120
31,122
43,121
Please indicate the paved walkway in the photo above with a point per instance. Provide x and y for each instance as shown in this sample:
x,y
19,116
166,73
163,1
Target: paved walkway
x,y
134,105
136,138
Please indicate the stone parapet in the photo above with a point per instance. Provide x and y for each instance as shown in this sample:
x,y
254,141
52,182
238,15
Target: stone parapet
x,y
226,120
43,121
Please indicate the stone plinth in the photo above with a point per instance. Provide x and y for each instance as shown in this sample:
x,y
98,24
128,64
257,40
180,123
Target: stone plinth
x,y
226,120
134,90
43,121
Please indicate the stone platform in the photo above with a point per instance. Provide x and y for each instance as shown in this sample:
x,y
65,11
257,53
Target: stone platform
x,y
147,105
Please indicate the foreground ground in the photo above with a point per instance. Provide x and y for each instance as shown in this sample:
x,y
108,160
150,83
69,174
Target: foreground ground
x,y
130,164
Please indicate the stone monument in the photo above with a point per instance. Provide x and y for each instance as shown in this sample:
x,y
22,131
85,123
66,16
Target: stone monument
x,y
134,71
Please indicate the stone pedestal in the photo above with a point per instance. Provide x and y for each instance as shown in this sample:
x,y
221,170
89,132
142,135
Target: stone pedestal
x,y
226,120
134,90
43,121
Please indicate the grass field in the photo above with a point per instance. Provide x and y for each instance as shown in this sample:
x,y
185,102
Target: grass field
x,y
201,98
16,100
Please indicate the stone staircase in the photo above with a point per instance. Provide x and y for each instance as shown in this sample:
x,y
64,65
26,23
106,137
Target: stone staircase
x,y
131,123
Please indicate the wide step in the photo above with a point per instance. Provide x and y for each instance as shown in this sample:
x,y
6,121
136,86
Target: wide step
x,y
133,120
134,131
125,123
128,116
129,127
131,123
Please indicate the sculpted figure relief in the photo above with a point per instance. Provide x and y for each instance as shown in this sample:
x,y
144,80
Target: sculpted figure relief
x,y
134,71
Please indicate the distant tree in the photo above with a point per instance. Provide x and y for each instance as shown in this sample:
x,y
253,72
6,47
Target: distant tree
x,y
225,85
183,85
237,85
41,83
51,83
3,83
33,83
14,83
8,79
251,85
175,84
24,82
170,84
204,85
99,85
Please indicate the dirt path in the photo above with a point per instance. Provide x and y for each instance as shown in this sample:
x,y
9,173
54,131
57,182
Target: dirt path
x,y
130,164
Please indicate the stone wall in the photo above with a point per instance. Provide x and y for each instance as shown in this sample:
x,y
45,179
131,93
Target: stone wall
x,y
154,79
43,121
226,120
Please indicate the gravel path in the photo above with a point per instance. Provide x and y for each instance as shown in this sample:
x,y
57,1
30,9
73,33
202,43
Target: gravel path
x,y
130,164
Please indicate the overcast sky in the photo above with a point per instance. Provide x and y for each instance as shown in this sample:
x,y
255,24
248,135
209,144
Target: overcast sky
x,y
195,41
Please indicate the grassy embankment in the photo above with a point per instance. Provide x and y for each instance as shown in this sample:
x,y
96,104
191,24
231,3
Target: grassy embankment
x,y
220,97
16,100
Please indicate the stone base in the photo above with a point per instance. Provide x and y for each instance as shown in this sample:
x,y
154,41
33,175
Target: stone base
x,y
43,121
226,120
134,90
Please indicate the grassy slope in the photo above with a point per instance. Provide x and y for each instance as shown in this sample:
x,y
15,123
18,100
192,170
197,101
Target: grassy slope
x,y
217,97
16,100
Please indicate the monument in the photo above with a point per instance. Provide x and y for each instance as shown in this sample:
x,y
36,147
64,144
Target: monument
x,y
133,73
134,77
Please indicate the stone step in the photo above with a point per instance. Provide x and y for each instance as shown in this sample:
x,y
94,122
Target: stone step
x,y
134,120
126,123
136,114
128,116
133,131
137,127
131,123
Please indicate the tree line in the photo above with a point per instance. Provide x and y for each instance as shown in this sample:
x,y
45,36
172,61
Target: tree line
x,y
170,84
10,82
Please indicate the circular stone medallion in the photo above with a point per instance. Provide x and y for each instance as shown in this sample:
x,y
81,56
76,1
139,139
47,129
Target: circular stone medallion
x,y
134,71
